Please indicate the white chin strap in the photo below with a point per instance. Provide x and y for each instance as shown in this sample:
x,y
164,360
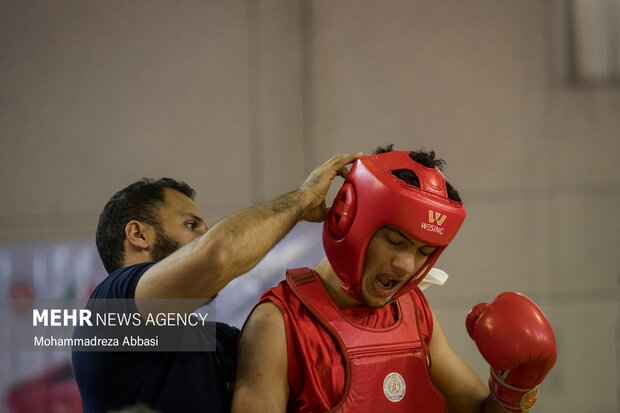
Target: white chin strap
x,y
434,277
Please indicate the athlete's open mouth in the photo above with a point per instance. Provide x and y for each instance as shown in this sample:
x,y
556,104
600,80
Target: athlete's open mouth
x,y
386,281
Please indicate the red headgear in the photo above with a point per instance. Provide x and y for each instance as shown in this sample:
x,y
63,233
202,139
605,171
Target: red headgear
x,y
372,197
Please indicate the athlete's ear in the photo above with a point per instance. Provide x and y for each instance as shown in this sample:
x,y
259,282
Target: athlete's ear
x,y
139,235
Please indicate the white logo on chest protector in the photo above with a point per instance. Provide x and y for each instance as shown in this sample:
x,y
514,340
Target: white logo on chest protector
x,y
394,387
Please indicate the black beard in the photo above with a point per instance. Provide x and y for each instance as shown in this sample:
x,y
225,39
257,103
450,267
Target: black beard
x,y
164,246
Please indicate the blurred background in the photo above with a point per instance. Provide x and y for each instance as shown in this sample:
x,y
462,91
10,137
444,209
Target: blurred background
x,y
243,98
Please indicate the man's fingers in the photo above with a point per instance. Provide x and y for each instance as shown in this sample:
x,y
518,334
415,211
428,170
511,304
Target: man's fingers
x,y
342,159
343,172
318,182
336,165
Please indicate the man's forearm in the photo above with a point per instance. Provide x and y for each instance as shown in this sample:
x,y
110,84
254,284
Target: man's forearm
x,y
201,268
230,248
244,238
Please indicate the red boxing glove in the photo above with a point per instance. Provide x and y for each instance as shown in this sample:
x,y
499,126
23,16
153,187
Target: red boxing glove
x,y
515,338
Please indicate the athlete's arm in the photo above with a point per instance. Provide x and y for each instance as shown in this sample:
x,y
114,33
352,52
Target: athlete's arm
x,y
463,389
262,376
233,246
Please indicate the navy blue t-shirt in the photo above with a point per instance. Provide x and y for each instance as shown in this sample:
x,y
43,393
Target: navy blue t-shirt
x,y
168,382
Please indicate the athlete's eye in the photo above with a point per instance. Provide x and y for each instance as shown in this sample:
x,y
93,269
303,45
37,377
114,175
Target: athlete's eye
x,y
426,251
395,240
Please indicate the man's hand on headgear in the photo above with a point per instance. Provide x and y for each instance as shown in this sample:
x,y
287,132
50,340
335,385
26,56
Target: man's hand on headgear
x,y
316,186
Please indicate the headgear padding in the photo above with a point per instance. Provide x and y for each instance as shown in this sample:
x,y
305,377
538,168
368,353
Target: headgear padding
x,y
372,197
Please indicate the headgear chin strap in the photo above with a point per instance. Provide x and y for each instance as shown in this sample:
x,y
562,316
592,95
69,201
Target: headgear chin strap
x,y
372,197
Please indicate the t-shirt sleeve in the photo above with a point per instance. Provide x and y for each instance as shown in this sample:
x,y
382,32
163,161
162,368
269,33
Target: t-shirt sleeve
x,y
122,282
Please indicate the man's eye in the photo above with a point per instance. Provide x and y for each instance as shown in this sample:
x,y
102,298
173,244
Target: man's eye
x,y
426,251
395,241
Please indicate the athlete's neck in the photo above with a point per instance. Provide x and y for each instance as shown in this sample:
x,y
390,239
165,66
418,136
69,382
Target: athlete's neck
x,y
333,285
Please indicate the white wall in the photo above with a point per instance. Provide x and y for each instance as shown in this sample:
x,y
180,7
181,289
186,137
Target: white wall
x,y
96,95
243,98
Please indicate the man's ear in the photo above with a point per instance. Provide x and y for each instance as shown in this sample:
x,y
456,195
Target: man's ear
x,y
139,236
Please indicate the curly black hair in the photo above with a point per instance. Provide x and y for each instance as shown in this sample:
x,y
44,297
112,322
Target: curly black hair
x,y
424,158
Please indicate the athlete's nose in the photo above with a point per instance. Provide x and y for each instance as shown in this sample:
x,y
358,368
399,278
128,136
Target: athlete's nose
x,y
403,264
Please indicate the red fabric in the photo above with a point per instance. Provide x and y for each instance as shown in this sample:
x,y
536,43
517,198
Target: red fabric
x,y
53,391
316,373
516,339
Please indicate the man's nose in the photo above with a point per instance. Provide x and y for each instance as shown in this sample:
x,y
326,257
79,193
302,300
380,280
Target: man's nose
x,y
404,263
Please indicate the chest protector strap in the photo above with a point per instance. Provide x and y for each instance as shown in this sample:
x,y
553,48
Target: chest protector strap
x,y
386,369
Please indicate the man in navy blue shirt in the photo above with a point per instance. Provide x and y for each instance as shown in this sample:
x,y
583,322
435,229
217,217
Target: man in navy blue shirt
x,y
154,244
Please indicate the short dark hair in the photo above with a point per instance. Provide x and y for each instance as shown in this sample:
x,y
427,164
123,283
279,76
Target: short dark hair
x,y
427,159
140,201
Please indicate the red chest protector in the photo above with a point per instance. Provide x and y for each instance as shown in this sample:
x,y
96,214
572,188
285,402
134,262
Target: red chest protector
x,y
386,369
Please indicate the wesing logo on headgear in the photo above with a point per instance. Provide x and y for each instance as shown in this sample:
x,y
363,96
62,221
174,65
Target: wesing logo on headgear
x,y
434,218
